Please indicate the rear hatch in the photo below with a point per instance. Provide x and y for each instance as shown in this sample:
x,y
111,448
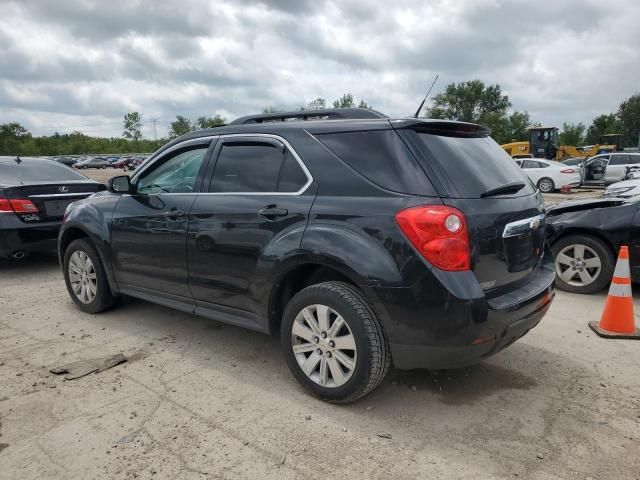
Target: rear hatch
x,y
50,199
504,212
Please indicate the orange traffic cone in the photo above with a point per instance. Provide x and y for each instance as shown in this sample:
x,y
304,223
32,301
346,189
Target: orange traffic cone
x,y
617,318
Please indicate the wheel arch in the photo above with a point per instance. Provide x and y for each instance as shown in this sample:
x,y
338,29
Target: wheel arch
x,y
586,232
301,276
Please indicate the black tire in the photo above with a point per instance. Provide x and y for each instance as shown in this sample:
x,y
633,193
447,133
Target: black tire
x,y
103,299
546,185
602,250
373,357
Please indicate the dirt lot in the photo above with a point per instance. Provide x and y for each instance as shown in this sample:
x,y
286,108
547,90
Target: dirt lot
x,y
204,400
199,399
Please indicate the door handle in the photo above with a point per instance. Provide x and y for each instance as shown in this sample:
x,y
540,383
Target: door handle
x,y
174,213
272,212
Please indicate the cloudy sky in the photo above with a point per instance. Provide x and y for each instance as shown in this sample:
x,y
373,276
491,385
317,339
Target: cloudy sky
x,y
80,65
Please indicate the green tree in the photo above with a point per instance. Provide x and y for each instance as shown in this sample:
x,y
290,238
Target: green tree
x,y
601,125
572,134
208,122
15,139
180,126
628,116
471,101
518,128
132,124
272,109
317,104
345,101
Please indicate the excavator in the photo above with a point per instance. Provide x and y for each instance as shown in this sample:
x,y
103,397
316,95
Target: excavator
x,y
543,143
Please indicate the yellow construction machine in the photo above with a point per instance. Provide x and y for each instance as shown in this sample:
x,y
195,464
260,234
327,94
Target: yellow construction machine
x,y
543,143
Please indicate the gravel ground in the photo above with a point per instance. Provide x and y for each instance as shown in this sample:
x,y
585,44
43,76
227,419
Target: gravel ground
x,y
199,399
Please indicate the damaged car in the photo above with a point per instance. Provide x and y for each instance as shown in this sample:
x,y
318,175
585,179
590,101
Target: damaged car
x,y
585,237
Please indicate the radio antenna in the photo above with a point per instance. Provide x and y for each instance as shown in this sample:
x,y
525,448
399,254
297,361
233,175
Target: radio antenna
x,y
425,97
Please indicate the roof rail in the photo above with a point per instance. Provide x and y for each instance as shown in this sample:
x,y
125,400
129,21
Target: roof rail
x,y
325,114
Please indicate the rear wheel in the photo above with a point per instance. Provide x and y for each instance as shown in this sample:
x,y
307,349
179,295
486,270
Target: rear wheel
x,y
546,185
85,277
584,264
333,342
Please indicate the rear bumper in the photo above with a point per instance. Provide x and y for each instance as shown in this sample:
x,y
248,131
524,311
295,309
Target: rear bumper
x,y
460,332
28,238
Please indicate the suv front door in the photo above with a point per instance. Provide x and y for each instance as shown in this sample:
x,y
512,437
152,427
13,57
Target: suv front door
x,y
247,227
149,226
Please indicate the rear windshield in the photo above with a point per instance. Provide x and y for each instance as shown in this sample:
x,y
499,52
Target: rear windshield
x,y
382,158
472,165
36,171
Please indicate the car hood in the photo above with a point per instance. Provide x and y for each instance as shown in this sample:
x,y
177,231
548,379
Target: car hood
x,y
586,204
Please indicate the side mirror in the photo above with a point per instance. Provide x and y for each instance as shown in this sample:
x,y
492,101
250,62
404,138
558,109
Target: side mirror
x,y
119,184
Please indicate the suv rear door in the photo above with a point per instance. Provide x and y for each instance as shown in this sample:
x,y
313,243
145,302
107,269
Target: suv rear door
x,y
247,222
506,230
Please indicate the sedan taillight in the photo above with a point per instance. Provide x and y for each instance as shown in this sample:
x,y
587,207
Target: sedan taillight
x,y
439,233
568,170
17,205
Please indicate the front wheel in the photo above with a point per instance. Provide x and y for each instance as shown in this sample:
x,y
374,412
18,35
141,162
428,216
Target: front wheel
x,y
85,277
584,264
333,342
546,185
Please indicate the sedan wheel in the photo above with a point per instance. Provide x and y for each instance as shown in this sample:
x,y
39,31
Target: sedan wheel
x,y
584,263
546,185
578,265
324,346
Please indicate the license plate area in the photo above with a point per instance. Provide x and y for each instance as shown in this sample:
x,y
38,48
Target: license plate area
x,y
523,242
56,208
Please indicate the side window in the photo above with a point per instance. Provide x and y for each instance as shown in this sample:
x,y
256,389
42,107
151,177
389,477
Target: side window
x,y
619,160
175,174
529,164
542,165
292,178
247,167
634,159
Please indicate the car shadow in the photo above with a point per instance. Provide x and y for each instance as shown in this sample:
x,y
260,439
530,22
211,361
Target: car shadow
x,y
33,264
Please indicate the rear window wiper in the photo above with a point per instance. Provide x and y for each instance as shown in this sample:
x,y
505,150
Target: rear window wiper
x,y
503,189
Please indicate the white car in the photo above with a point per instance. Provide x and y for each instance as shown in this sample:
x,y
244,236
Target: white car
x,y
549,175
624,189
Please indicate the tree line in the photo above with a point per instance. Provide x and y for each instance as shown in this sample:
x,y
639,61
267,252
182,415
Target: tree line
x,y
470,101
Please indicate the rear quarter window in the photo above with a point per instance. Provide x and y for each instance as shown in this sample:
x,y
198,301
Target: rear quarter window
x,y
382,158
472,165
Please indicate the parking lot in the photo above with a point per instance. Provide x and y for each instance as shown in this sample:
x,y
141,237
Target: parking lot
x,y
199,399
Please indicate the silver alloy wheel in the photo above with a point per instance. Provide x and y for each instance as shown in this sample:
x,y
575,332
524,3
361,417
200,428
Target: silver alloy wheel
x,y
82,276
545,185
324,346
578,265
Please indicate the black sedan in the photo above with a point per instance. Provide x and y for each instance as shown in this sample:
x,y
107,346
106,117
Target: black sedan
x,y
34,194
586,235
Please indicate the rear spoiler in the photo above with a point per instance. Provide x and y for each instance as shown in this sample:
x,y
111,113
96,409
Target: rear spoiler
x,y
445,128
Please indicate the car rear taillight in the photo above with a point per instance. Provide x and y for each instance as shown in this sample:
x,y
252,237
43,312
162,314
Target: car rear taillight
x,y
439,233
17,205
568,170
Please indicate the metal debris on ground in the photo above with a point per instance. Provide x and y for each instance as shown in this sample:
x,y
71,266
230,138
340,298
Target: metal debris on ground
x,y
82,368
385,435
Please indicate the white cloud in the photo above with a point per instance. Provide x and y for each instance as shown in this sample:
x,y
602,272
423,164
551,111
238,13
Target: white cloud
x,y
70,64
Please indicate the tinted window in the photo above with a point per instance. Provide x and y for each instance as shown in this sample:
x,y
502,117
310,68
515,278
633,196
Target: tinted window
x,y
381,157
473,165
173,174
634,159
30,170
247,168
619,160
292,178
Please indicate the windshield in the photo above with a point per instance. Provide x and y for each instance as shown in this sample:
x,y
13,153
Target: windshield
x,y
33,170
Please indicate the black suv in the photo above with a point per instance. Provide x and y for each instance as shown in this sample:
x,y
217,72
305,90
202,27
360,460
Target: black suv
x,y
363,240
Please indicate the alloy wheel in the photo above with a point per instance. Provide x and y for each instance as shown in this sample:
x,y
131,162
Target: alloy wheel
x,y
546,186
578,265
82,276
324,346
